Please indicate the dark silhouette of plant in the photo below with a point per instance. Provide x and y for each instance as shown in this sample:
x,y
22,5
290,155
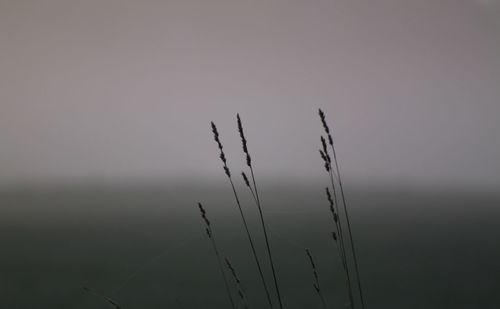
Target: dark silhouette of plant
x,y
101,296
316,284
339,241
211,236
239,287
328,165
255,194
222,156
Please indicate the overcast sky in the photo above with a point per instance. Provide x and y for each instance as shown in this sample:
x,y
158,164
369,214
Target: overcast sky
x,y
125,90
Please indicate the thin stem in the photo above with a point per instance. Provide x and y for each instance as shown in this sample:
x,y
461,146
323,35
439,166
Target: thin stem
x,y
342,256
222,156
339,179
239,286
107,299
211,236
323,302
356,267
251,242
266,238
214,245
316,284
257,200
338,224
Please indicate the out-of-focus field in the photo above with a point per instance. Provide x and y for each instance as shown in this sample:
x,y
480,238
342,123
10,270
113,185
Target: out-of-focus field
x,y
146,247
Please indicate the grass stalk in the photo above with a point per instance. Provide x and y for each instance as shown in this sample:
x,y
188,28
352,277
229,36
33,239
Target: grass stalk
x,y
316,284
349,229
211,236
111,302
339,240
239,287
228,174
334,210
255,193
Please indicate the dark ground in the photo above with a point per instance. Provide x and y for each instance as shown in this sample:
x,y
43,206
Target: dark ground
x,y
145,247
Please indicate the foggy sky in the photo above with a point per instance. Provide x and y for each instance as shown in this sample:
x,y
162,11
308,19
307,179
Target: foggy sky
x,y
125,90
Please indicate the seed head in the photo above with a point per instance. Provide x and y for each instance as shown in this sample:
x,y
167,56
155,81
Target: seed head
x,y
325,126
334,235
243,141
315,273
323,121
204,214
325,151
325,160
245,178
233,272
310,258
329,197
316,287
222,156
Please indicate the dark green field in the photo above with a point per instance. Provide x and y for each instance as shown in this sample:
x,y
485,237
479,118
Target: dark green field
x,y
145,247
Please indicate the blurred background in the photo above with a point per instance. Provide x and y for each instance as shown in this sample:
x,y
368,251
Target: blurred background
x,y
105,110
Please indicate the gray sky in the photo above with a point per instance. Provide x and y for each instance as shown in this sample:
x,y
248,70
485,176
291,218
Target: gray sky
x,y
125,90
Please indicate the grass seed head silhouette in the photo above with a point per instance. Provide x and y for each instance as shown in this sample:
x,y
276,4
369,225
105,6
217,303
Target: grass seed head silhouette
x,y
245,179
222,156
238,204
325,126
316,284
255,195
325,150
211,236
233,272
334,235
243,141
345,208
325,160
204,214
239,287
331,204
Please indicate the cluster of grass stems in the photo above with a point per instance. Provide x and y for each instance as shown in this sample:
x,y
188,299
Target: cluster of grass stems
x,y
341,236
